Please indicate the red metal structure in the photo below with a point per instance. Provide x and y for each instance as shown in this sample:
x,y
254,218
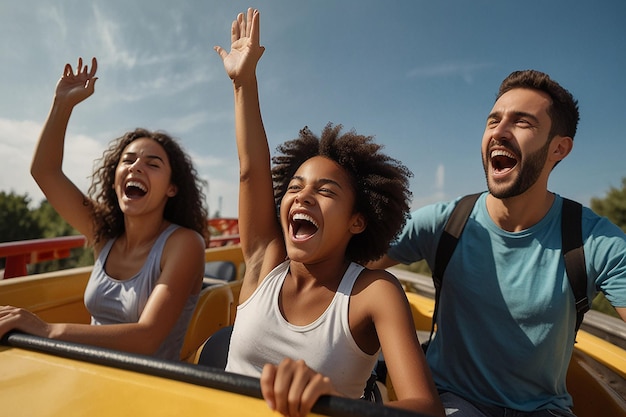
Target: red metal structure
x,y
224,231
21,253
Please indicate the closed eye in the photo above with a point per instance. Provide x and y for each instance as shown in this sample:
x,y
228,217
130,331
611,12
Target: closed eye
x,y
524,123
492,122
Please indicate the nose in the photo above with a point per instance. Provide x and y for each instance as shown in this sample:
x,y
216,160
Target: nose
x,y
136,166
501,131
305,196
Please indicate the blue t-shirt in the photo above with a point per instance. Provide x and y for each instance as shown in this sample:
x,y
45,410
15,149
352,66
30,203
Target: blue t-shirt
x,y
506,323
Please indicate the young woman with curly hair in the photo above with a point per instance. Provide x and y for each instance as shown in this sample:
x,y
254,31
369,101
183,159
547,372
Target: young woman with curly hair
x,y
311,319
147,223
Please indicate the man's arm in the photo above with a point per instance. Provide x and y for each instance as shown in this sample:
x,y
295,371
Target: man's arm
x,y
622,312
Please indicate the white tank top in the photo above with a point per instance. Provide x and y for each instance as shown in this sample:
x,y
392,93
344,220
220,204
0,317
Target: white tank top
x,y
262,335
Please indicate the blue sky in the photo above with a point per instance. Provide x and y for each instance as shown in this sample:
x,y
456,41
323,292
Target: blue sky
x,y
420,76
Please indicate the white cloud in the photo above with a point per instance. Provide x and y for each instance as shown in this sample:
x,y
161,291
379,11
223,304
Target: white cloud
x,y
427,195
52,12
108,35
17,144
186,122
174,81
423,200
440,177
205,161
223,195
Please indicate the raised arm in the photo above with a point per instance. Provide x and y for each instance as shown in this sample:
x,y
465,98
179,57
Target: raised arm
x,y
46,167
261,239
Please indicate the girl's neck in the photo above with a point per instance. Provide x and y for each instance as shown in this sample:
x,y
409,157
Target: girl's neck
x,y
142,233
327,273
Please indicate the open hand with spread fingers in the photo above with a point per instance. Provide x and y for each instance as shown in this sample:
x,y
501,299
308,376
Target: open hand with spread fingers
x,y
245,49
76,86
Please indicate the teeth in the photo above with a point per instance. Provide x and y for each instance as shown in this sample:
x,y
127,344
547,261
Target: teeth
x,y
302,216
136,184
500,152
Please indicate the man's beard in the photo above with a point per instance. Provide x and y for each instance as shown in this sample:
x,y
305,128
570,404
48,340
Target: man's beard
x,y
531,168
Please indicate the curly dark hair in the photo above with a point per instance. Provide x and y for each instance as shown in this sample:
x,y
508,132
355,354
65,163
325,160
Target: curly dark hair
x,y
186,208
381,183
563,111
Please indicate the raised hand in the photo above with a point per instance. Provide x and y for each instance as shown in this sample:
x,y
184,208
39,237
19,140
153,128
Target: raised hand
x,y
245,50
74,87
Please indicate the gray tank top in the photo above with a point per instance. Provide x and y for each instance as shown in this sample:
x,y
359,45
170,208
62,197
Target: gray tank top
x,y
110,301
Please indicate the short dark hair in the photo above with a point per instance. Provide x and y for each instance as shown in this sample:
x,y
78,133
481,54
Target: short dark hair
x,y
563,111
381,183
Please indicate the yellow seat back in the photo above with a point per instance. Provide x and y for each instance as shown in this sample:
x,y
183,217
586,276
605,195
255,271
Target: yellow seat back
x,y
212,312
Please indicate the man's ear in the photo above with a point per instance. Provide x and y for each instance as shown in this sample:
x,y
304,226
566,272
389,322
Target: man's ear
x,y
358,224
562,146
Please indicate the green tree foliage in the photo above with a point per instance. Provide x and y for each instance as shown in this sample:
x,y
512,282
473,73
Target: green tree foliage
x,y
19,222
53,225
16,220
50,223
613,206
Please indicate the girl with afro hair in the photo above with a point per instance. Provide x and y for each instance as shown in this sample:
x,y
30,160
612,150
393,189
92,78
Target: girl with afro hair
x,y
311,319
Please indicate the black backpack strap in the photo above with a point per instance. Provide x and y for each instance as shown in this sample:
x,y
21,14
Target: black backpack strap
x,y
572,246
571,241
447,243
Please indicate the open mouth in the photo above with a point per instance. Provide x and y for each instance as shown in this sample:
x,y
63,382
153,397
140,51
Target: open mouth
x,y
135,189
303,226
502,161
